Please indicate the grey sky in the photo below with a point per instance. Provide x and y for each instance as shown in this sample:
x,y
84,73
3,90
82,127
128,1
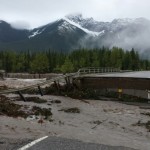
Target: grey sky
x,y
34,13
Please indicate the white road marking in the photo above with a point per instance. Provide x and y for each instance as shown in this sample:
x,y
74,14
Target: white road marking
x,y
33,143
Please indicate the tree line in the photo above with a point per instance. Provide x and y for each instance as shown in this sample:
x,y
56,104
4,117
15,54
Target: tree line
x,y
52,61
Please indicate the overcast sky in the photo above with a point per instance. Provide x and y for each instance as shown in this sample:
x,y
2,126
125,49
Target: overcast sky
x,y
34,13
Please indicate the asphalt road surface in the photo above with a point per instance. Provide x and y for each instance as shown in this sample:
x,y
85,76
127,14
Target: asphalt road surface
x,y
53,143
135,74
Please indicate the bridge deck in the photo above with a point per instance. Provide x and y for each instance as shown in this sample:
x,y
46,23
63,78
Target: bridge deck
x,y
137,74
127,80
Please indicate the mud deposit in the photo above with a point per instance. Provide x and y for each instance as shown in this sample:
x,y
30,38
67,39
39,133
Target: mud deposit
x,y
101,121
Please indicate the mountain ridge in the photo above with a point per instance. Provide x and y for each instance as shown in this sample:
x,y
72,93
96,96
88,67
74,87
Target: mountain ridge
x,y
73,32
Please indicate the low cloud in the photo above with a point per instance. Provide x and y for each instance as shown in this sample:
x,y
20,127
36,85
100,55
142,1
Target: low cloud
x,y
20,25
39,12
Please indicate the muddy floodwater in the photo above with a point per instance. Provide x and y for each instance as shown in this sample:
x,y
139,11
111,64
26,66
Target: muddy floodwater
x,y
90,121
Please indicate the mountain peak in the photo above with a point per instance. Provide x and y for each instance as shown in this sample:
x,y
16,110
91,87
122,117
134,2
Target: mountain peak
x,y
78,18
75,15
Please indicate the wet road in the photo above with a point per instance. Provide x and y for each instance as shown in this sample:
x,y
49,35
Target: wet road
x,y
53,143
135,74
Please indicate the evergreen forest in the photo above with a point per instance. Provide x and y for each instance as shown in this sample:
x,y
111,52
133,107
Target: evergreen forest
x,y
52,61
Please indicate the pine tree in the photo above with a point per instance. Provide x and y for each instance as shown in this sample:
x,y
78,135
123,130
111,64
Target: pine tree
x,y
40,63
67,67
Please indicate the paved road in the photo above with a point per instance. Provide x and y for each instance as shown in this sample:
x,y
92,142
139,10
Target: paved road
x,y
135,74
53,143
13,144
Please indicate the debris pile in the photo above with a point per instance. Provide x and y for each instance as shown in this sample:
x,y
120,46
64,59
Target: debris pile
x,y
42,111
4,87
143,124
55,101
8,108
71,110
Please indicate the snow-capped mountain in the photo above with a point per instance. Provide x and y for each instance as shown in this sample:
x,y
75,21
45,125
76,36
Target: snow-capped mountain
x,y
126,33
74,31
88,23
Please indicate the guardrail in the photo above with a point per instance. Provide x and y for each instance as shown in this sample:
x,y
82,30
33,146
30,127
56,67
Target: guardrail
x,y
93,70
